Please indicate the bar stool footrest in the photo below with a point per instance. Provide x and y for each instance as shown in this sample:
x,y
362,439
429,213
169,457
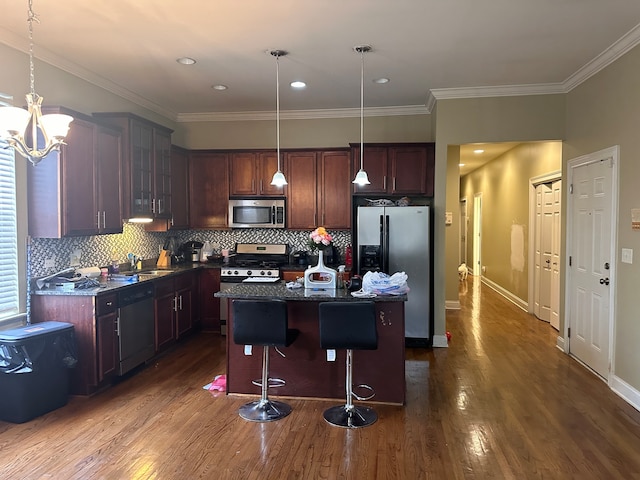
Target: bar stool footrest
x,y
354,417
368,397
272,382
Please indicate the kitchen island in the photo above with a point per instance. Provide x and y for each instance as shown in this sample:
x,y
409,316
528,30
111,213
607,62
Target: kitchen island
x,y
305,368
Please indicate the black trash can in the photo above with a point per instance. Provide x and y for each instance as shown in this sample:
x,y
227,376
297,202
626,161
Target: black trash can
x,y
34,369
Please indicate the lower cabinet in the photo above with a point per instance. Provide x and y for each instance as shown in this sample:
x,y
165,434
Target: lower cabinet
x,y
174,308
94,319
209,305
107,335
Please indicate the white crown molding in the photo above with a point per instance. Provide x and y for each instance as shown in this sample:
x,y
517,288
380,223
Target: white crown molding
x,y
498,91
628,41
302,114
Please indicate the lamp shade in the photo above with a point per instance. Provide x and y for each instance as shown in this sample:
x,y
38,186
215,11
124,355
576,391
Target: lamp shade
x,y
56,125
361,178
13,121
278,179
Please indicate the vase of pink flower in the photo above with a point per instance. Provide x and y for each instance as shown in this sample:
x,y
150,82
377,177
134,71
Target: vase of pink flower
x,y
320,276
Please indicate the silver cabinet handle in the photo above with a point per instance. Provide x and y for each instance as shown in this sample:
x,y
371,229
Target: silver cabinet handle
x,y
384,182
104,219
98,220
180,302
394,184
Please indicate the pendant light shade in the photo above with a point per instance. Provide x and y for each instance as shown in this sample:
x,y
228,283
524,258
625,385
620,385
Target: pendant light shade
x,y
361,177
278,179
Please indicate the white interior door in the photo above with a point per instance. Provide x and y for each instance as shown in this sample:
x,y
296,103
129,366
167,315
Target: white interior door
x,y
463,231
556,238
477,234
542,256
591,259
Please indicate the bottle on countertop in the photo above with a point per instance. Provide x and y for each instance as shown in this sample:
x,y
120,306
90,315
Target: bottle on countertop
x,y
340,279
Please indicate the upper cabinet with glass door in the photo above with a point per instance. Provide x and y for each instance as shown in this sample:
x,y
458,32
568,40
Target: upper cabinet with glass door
x,y
146,166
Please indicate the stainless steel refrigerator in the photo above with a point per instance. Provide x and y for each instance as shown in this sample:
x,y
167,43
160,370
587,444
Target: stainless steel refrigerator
x,y
397,239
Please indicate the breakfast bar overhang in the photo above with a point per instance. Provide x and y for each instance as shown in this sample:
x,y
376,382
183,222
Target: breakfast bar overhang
x,y
305,367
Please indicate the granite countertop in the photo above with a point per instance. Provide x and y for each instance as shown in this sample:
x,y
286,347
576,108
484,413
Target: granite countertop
x,y
279,290
107,285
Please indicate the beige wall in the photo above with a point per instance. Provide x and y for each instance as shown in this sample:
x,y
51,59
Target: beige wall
x,y
328,132
602,112
504,185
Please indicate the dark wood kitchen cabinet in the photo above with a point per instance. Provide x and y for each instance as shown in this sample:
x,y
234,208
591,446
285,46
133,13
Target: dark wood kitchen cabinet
x,y
208,189
179,189
174,307
107,337
396,169
210,305
319,190
94,320
76,191
146,163
250,174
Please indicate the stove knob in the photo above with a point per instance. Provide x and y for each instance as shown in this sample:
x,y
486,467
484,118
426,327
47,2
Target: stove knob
x,y
249,272
269,273
262,272
235,272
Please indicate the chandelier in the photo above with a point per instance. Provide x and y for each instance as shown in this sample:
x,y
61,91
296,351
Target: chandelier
x,y
14,122
361,177
278,179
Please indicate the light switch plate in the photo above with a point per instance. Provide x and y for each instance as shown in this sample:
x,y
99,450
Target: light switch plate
x,y
627,255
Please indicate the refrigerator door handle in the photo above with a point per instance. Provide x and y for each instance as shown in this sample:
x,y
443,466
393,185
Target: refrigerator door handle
x,y
386,246
381,259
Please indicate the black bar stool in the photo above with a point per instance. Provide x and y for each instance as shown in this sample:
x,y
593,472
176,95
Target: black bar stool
x,y
351,326
263,322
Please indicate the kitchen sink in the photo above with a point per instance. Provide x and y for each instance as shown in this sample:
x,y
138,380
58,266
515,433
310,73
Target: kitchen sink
x,y
150,274
155,273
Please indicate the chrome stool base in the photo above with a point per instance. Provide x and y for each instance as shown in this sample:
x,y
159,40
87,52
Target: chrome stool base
x,y
261,411
354,417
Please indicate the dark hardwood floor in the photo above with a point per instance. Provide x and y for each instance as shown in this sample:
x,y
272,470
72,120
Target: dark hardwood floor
x,y
501,402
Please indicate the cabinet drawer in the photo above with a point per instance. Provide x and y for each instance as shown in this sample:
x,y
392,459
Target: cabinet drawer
x,y
164,287
106,304
184,281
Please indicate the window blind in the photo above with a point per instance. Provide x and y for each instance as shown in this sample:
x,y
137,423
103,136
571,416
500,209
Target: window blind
x,y
9,301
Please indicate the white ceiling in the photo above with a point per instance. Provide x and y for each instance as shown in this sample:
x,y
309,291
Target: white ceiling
x,y
448,47
427,48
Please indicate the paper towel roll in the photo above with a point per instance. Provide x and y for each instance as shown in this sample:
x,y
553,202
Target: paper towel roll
x,y
89,272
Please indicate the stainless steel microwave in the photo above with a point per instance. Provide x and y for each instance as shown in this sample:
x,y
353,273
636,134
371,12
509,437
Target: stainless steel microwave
x,y
256,213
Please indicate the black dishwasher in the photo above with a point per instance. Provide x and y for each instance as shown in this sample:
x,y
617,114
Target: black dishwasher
x,y
136,326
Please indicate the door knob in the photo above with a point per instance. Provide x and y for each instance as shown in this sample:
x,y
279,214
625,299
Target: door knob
x,y
604,281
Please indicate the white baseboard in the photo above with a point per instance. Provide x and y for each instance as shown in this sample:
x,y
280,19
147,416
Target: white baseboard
x,y
626,391
506,294
560,343
452,305
440,341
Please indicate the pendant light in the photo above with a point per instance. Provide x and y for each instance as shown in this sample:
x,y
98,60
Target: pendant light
x,y
361,177
14,121
278,179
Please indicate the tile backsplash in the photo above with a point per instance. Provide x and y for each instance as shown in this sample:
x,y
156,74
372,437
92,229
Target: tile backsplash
x,y
99,250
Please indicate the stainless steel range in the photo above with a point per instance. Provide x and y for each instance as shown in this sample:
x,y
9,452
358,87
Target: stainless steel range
x,y
252,263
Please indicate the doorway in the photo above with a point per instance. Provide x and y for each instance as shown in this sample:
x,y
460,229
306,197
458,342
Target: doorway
x,y
591,241
464,219
476,268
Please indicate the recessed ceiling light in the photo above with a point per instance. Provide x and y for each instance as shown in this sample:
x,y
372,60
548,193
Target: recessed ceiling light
x,y
298,84
185,60
461,164
381,81
478,151
219,87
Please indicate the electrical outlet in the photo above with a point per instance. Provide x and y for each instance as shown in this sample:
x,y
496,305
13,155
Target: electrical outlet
x,y
50,262
627,255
